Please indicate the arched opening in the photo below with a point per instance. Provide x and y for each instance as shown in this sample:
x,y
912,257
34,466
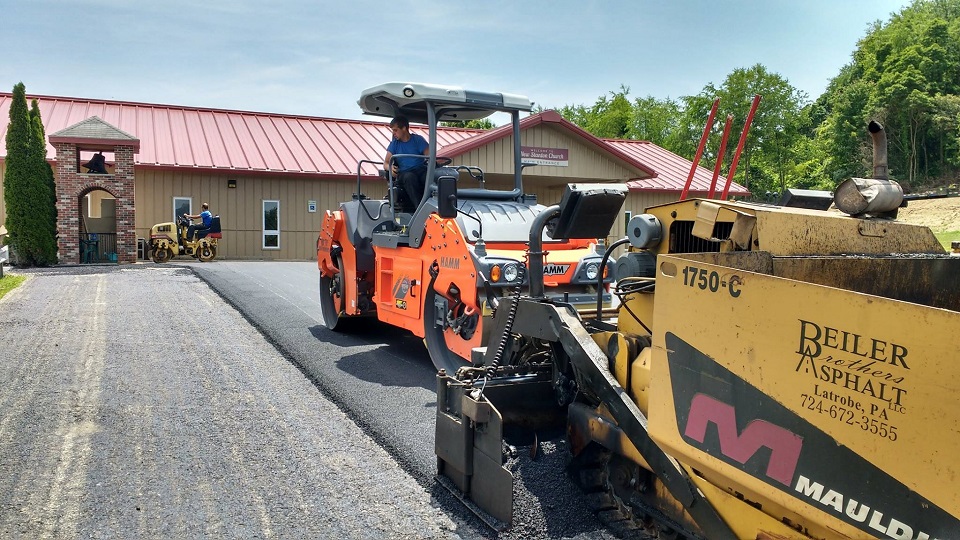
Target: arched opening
x,y
98,226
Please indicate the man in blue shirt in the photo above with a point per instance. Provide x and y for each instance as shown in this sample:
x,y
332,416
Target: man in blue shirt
x,y
410,172
207,218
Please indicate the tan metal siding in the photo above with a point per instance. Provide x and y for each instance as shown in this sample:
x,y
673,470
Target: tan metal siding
x,y
546,195
241,208
638,201
586,163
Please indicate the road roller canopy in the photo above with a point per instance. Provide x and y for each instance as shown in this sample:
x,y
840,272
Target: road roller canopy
x,y
451,103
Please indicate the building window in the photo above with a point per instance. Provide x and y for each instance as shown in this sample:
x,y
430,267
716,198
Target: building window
x,y
181,206
271,224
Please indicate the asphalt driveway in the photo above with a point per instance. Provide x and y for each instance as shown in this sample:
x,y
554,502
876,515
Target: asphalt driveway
x,y
384,380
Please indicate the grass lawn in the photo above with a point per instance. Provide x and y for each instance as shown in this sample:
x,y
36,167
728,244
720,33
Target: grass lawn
x,y
946,238
10,282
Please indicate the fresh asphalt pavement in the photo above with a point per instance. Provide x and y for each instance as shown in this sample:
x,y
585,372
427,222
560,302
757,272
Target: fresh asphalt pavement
x,y
384,380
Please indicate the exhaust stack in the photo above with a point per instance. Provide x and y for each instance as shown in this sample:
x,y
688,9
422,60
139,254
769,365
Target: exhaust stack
x,y
874,196
879,150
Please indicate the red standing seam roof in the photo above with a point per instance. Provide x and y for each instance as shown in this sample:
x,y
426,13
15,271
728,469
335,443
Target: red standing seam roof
x,y
667,171
145,123
672,170
193,138
545,117
180,138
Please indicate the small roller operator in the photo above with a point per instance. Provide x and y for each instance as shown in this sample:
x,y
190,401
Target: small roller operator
x,y
205,216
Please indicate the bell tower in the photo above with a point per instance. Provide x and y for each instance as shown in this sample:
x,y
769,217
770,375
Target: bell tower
x,y
84,166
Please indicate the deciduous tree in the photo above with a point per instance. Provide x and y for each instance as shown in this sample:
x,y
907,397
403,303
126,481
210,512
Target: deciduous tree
x,y
904,73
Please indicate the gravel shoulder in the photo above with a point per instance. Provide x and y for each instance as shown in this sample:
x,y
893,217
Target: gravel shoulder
x,y
112,425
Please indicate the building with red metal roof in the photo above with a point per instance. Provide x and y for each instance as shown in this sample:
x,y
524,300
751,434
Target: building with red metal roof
x,y
241,161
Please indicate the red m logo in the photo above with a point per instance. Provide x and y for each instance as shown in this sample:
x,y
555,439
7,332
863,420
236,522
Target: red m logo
x,y
784,445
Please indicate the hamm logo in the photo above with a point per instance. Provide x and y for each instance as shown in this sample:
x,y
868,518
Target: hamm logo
x,y
450,262
555,269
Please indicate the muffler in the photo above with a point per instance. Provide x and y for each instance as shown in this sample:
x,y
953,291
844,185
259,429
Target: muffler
x,y
877,195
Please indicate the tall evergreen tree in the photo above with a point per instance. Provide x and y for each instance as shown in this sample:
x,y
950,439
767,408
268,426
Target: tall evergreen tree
x,y
17,169
25,189
44,171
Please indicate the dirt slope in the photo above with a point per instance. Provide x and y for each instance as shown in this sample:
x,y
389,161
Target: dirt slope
x,y
941,215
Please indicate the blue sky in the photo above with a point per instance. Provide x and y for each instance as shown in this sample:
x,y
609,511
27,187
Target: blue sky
x,y
314,57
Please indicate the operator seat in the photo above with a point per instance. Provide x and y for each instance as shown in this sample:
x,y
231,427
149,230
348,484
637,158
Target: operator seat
x,y
213,231
442,172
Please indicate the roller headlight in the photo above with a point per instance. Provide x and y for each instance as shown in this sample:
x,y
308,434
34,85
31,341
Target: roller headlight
x,y
592,271
510,272
502,271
